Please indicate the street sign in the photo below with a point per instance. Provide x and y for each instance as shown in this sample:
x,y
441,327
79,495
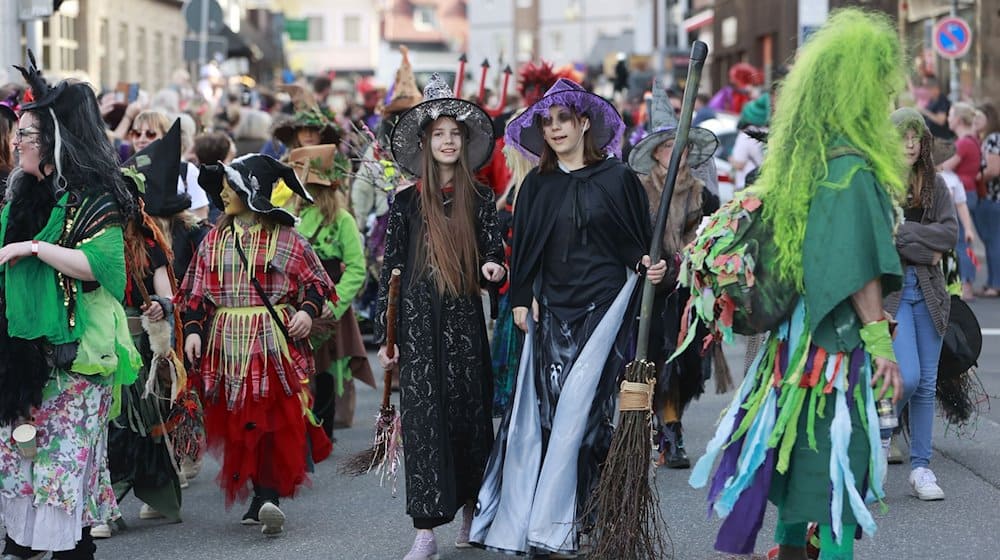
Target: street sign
x,y
952,37
35,9
193,11
214,45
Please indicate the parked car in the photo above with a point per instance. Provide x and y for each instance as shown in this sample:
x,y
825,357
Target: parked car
x,y
723,125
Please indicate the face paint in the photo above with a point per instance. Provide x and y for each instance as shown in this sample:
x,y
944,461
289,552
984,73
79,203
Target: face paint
x,y
234,205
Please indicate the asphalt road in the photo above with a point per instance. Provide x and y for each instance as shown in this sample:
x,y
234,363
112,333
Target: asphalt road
x,y
354,518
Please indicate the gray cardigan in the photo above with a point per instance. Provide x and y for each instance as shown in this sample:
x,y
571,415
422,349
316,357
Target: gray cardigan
x,y
920,243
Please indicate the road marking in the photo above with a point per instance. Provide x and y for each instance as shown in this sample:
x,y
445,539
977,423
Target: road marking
x,y
991,332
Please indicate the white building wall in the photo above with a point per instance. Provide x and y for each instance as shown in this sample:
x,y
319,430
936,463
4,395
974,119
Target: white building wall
x,y
491,36
569,28
334,51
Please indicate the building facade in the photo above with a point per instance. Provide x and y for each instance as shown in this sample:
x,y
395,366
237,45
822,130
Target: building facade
x,y
766,33
436,32
110,41
323,36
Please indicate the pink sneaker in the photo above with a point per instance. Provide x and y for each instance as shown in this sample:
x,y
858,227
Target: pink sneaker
x,y
424,547
462,541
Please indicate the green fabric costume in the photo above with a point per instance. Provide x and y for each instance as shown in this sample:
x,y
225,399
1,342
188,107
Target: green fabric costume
x,y
42,302
337,240
848,242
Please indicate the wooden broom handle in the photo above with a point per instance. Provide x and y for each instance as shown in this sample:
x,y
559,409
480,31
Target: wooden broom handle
x,y
391,313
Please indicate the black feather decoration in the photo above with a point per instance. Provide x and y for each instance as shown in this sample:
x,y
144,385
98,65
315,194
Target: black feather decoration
x,y
33,75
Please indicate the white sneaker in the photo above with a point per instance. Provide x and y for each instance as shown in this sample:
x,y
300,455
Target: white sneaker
x,y
147,512
272,519
925,485
102,531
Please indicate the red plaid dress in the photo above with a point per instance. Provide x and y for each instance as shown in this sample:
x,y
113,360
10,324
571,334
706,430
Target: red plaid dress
x,y
254,382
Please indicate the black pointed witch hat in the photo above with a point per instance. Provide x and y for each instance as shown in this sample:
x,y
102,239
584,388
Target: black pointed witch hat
x,y
253,177
160,163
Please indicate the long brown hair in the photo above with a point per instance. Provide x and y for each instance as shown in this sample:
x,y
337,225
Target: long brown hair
x,y
592,153
451,251
922,173
7,162
325,198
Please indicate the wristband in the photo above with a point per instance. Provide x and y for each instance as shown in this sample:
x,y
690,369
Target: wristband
x,y
34,248
878,340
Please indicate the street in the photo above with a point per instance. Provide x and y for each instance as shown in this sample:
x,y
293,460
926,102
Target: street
x,y
345,518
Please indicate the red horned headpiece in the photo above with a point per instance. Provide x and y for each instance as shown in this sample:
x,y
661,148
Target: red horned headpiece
x,y
535,80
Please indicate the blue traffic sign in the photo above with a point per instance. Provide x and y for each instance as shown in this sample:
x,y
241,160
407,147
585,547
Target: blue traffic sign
x,y
952,37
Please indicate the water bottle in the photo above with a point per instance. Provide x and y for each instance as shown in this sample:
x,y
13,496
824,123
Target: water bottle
x,y
887,419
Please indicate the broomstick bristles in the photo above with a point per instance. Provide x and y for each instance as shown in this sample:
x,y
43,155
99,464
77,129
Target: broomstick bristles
x,y
625,507
359,464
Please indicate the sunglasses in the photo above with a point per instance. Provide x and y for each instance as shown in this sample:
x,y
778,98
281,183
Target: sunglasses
x,y
150,134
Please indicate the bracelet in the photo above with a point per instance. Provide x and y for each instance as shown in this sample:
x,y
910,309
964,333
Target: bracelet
x,y
34,247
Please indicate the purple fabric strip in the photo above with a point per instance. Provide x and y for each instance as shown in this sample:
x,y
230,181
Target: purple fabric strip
x,y
738,534
727,465
854,373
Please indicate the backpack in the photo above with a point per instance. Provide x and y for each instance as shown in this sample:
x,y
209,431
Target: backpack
x,y
731,270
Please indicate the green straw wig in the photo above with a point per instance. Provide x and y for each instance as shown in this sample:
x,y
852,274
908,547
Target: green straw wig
x,y
838,92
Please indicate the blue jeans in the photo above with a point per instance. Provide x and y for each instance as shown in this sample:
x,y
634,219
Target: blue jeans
x,y
918,346
988,224
967,270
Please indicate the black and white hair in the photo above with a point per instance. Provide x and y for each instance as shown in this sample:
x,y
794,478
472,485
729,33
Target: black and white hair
x,y
72,140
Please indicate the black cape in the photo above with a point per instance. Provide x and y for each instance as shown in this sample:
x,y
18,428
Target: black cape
x,y
609,211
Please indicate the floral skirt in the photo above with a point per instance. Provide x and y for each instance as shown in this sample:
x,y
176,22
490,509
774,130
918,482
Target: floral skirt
x,y
46,503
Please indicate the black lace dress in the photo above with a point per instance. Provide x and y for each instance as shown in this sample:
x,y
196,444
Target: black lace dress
x,y
446,388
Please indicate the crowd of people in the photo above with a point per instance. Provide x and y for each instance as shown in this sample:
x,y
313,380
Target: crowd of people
x,y
192,272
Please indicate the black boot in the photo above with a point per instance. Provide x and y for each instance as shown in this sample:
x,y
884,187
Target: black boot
x,y
672,454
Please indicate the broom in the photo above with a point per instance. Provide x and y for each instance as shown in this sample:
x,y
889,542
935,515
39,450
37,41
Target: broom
x,y
627,519
383,455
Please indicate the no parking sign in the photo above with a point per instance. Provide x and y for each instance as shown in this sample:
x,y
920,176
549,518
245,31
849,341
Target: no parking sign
x,y
952,37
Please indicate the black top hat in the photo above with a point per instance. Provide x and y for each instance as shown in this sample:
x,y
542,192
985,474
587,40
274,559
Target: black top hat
x,y
160,163
253,177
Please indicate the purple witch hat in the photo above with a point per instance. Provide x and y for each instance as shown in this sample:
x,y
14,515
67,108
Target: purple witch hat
x,y
8,107
606,126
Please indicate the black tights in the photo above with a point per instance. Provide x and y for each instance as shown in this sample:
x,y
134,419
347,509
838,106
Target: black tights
x,y
85,549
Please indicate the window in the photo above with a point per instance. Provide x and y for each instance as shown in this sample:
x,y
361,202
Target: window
x,y
424,18
352,30
315,32
104,50
123,50
525,45
159,63
141,60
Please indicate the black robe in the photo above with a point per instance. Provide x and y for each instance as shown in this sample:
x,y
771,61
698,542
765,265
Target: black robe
x,y
446,384
575,234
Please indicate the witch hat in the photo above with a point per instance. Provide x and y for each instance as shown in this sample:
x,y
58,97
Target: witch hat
x,y
405,93
160,163
439,101
253,177
606,125
702,143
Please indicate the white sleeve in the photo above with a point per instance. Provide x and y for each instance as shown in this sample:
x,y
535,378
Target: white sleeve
x,y
741,147
199,198
955,187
